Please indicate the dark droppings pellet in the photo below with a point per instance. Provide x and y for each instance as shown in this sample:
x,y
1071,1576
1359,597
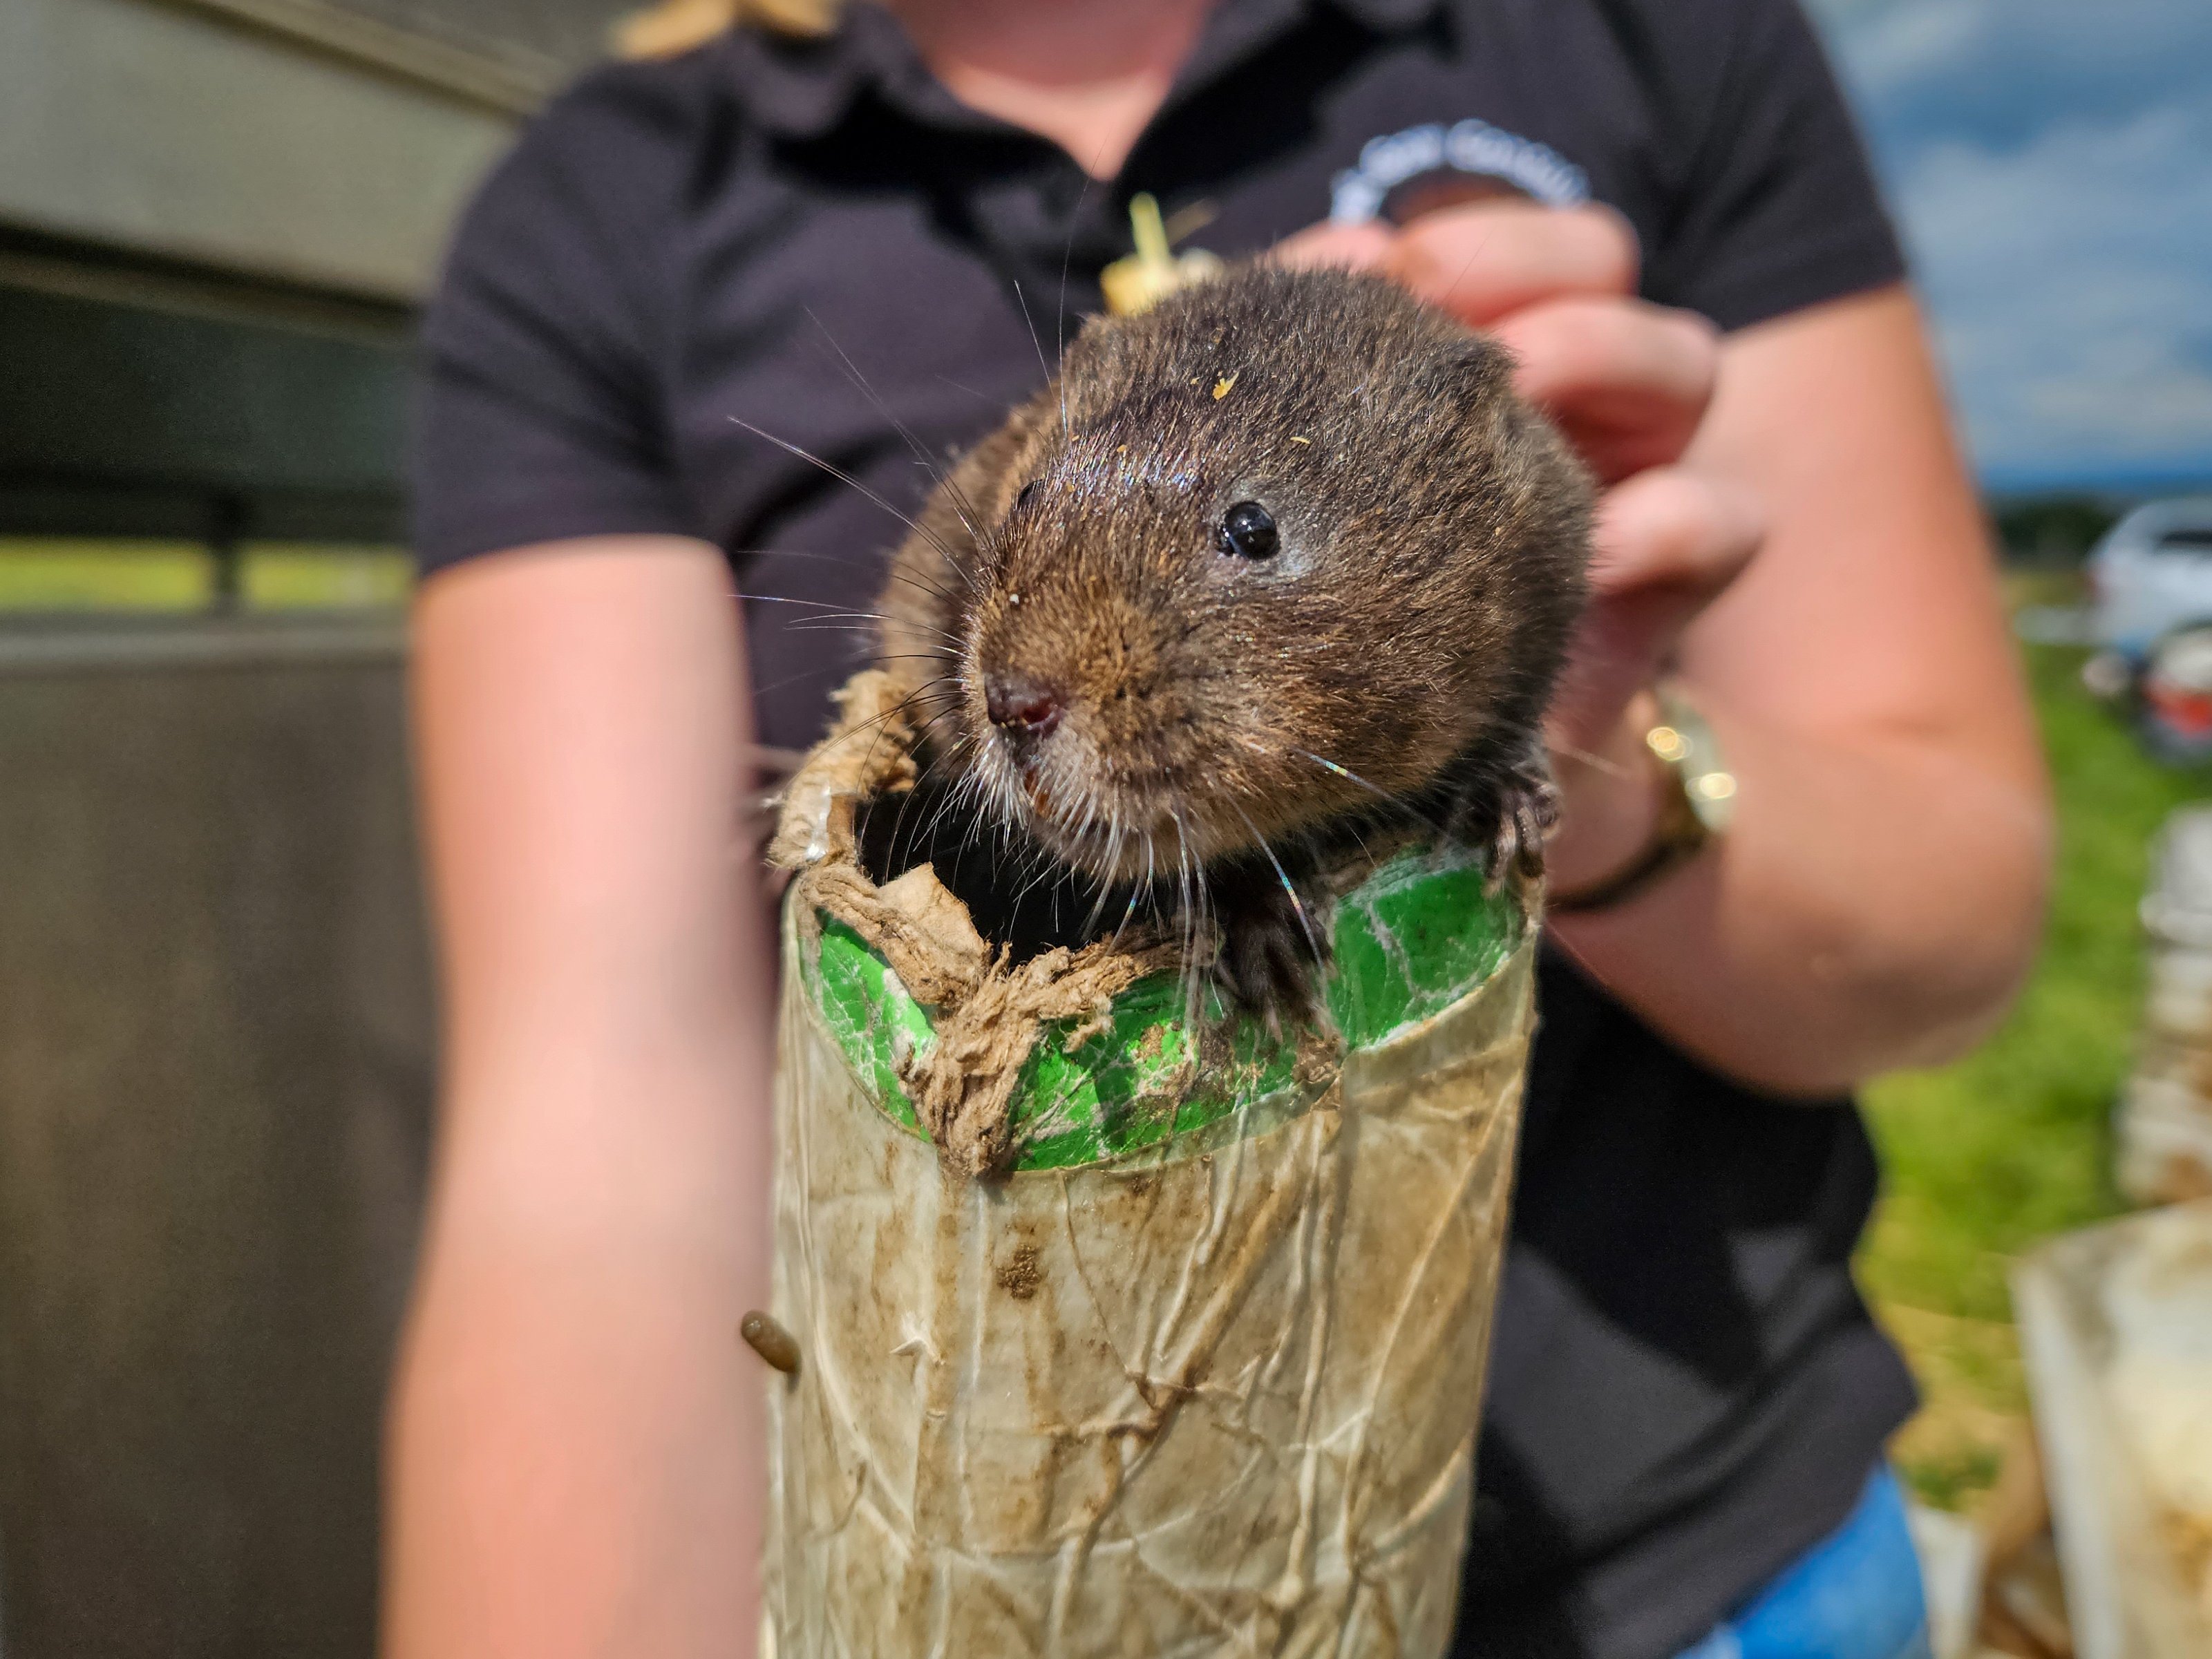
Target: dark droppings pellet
x,y
774,1344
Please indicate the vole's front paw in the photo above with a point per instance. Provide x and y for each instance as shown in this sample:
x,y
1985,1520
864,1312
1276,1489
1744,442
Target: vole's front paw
x,y
1270,961
1515,814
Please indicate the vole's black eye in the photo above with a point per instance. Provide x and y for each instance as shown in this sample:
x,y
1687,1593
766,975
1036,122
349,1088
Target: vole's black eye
x,y
1027,494
1247,530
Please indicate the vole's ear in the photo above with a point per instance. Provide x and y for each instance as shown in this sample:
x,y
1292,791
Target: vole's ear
x,y
1484,370
1105,356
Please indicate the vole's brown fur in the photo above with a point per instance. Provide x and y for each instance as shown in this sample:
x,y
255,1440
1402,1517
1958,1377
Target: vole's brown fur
x,y
1217,722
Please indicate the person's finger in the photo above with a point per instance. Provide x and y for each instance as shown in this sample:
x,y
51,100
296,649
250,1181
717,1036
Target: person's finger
x,y
1666,544
1484,261
1352,247
1673,529
1627,381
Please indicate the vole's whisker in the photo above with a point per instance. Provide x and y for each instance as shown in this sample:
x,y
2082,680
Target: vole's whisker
x,y
979,396
944,479
1350,777
1136,891
784,598
822,669
1352,829
875,723
923,695
892,572
1611,768
1113,862
1036,870
948,801
1188,918
830,625
1297,905
1059,309
844,477
926,835
1021,299
1344,772
832,610
867,389
1145,890
983,815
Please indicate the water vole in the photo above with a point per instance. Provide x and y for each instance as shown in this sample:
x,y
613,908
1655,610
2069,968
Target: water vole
x,y
1280,559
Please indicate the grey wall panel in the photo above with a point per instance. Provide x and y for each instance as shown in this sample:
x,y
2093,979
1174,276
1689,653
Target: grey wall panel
x,y
114,392
130,122
215,1074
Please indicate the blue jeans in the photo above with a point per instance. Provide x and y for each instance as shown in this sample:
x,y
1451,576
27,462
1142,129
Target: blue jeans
x,y
1855,1595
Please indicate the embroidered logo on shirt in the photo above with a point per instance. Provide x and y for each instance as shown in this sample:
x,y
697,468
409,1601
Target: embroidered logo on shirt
x,y
1467,160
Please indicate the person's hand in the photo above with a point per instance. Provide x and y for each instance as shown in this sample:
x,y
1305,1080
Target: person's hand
x,y
1627,382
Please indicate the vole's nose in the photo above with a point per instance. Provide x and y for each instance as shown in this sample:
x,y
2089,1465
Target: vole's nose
x,y
1022,707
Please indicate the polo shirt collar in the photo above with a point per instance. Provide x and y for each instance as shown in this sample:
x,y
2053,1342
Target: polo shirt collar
x,y
802,87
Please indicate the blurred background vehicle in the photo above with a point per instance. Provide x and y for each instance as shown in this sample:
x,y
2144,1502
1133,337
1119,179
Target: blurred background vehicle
x,y
2151,579
2151,576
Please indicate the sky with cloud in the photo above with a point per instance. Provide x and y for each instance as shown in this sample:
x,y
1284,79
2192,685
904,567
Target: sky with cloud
x,y
2051,163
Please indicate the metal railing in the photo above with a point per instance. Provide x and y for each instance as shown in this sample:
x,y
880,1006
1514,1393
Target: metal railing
x,y
506,58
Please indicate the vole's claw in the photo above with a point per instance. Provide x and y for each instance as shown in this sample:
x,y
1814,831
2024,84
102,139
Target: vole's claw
x,y
1537,815
1526,819
1518,814
1268,963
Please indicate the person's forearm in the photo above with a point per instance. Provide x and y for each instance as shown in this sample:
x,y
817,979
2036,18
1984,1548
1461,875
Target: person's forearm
x,y
1874,904
576,1443
574,1457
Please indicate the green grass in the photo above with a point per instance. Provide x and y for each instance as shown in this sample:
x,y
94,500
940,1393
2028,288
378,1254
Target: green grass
x,y
61,575
1954,1477
282,578
2012,1144
56,575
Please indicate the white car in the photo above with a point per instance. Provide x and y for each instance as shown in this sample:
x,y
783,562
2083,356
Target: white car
x,y
2152,577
